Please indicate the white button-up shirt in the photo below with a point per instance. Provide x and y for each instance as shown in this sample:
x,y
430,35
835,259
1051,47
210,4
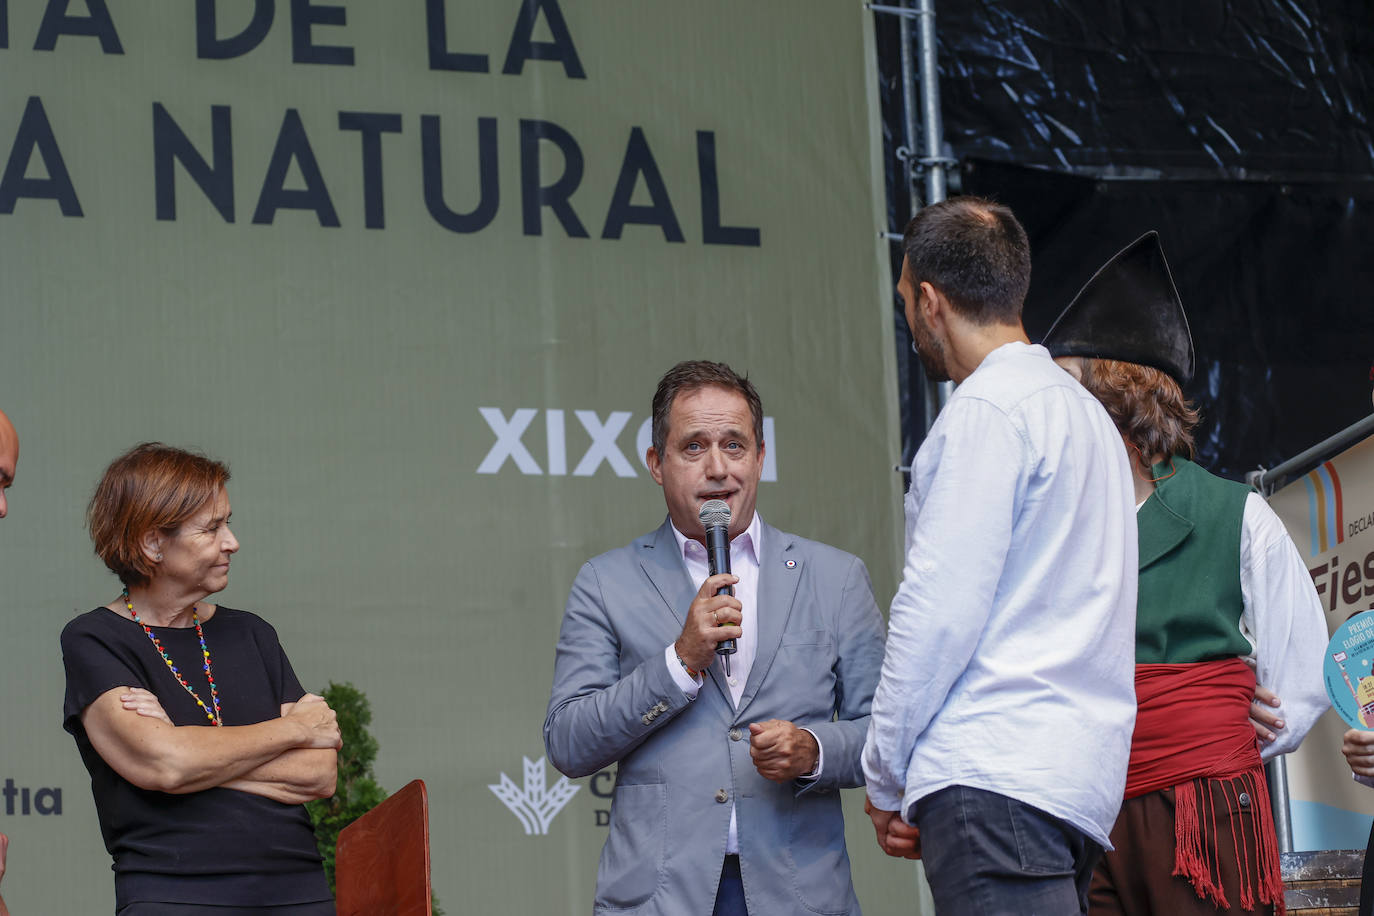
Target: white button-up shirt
x,y
1010,663
1284,621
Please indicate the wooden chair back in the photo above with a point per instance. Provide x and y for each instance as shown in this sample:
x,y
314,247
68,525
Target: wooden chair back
x,y
381,862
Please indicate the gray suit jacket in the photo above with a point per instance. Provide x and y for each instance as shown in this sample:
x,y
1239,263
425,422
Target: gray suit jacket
x,y
681,762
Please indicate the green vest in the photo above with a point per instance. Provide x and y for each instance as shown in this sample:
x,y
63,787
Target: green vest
x,y
1189,604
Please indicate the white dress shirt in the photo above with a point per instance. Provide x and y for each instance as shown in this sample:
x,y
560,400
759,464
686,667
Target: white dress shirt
x,y
1284,622
1010,662
744,563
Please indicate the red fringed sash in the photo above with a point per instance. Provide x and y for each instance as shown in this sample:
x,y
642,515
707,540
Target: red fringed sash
x,y
1193,723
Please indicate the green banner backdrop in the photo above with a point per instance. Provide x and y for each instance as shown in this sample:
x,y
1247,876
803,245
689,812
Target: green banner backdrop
x,y
413,270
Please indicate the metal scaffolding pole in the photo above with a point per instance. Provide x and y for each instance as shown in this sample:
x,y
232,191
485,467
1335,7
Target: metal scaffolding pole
x,y
906,153
930,162
933,160
1267,481
1279,801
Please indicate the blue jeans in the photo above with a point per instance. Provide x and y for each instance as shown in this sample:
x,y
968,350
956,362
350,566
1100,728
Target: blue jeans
x,y
989,855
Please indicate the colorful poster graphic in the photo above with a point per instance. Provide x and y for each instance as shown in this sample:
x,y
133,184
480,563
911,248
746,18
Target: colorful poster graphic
x,y
1329,512
1349,670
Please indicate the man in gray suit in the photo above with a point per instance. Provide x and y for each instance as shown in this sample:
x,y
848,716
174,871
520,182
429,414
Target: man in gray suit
x,y
726,798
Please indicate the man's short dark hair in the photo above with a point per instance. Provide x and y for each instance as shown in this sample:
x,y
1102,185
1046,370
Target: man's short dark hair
x,y
976,253
693,375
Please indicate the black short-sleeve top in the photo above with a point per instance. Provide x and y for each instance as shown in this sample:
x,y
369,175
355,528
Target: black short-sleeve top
x,y
218,846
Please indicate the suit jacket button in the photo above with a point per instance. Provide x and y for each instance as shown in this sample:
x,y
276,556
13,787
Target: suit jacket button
x,y
735,734
645,719
1244,799
722,796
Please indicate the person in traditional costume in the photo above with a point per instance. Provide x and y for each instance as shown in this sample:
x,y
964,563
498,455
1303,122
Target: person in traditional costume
x,y
1224,599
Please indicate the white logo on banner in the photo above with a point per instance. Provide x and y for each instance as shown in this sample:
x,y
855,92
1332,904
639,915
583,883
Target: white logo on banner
x,y
604,448
537,803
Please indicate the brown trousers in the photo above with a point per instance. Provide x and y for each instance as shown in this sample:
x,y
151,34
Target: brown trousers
x,y
1137,879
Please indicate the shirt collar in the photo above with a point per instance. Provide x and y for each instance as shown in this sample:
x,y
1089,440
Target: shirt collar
x,y
1013,348
749,540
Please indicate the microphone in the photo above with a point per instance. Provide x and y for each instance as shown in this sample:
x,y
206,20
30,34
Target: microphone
x,y
715,518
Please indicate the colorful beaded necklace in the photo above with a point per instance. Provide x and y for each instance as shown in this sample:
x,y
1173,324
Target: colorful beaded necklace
x,y
214,716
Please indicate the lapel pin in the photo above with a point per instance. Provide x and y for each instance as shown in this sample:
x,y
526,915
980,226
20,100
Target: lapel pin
x,y
791,564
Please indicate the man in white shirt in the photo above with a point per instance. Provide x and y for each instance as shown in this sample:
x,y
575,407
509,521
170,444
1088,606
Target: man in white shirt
x,y
1001,726
726,798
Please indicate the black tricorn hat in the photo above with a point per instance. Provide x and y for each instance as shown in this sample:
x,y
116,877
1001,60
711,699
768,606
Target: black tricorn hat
x,y
1128,311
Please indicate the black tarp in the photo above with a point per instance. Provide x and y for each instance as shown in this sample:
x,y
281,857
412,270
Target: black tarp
x,y
1240,130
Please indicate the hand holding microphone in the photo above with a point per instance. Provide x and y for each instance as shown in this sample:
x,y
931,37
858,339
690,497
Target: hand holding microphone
x,y
713,620
715,518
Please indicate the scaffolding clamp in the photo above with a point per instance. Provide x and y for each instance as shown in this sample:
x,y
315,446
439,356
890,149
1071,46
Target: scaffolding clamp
x,y
899,11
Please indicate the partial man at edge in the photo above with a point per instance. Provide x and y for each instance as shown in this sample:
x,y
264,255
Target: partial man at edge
x,y
1001,727
726,796
1358,747
9,463
1223,598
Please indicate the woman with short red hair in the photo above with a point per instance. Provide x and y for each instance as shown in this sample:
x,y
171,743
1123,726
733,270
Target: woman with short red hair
x,y
201,743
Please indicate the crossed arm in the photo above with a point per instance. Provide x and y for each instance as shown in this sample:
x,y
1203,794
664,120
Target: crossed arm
x,y
290,759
